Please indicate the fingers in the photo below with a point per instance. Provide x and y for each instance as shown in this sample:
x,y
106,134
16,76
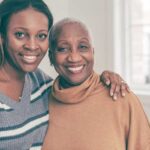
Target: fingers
x,y
117,85
119,89
112,80
124,88
105,77
114,91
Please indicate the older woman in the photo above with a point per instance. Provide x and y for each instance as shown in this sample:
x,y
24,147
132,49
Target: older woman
x,y
82,115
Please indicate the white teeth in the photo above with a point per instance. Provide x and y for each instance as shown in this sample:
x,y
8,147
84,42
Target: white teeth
x,y
29,59
75,69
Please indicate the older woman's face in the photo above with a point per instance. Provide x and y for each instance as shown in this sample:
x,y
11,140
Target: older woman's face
x,y
73,56
27,39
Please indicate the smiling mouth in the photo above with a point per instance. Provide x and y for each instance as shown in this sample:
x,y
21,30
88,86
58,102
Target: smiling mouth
x,y
75,69
29,59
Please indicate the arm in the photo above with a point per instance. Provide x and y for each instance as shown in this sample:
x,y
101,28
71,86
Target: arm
x,y
139,127
116,84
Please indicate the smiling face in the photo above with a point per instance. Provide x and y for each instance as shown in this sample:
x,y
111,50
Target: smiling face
x,y
27,40
73,56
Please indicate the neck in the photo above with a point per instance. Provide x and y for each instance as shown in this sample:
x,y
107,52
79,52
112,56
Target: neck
x,y
8,73
65,84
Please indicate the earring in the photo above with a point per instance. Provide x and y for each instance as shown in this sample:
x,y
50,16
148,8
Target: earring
x,y
1,52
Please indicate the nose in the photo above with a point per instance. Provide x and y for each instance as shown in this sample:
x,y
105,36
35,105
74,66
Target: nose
x,y
31,44
74,56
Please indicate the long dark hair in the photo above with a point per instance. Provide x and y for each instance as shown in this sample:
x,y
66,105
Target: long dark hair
x,y
9,7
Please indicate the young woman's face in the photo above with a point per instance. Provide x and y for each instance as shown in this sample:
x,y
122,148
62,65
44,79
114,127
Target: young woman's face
x,y
73,57
27,39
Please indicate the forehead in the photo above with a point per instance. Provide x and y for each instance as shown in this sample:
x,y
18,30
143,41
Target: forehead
x,y
74,29
28,18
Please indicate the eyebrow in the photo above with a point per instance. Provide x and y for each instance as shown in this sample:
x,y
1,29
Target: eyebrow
x,y
23,28
84,38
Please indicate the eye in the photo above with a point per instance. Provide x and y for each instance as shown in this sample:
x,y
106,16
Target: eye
x,y
62,49
20,35
42,36
84,47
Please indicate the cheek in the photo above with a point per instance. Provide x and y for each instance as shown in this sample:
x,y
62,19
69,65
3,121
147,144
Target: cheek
x,y
12,41
59,59
89,57
58,63
45,46
12,47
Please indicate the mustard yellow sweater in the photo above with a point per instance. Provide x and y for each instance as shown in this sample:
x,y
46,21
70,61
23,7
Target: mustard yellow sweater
x,y
86,118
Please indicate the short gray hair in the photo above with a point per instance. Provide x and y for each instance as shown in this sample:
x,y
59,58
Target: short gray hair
x,y
56,30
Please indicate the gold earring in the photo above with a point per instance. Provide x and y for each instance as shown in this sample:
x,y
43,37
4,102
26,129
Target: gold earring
x,y
1,52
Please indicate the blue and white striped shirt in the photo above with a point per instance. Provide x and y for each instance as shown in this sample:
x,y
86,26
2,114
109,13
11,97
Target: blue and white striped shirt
x,y
23,124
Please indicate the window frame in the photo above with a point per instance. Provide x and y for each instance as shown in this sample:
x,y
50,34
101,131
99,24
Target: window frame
x,y
122,45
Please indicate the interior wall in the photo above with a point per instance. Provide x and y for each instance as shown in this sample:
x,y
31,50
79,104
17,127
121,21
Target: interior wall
x,y
59,10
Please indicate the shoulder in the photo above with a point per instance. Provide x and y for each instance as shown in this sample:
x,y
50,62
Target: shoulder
x,y
135,107
133,101
39,79
129,106
39,75
39,83
138,123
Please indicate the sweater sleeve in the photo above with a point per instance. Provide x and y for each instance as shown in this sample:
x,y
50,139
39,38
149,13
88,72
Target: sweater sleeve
x,y
139,127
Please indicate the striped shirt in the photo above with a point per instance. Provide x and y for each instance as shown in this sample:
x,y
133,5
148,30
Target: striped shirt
x,y
23,124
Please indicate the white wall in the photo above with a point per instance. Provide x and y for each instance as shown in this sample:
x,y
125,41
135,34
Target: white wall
x,y
95,15
59,9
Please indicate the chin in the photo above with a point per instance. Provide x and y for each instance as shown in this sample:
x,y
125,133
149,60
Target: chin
x,y
29,69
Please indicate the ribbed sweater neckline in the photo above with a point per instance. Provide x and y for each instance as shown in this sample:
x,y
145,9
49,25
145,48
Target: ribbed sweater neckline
x,y
75,94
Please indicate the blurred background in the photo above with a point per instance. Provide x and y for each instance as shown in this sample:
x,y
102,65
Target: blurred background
x,y
121,32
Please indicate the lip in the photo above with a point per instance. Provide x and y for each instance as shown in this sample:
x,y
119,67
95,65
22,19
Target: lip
x,y
75,69
29,58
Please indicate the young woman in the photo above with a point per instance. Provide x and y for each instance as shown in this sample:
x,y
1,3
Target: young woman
x,y
24,29
82,115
